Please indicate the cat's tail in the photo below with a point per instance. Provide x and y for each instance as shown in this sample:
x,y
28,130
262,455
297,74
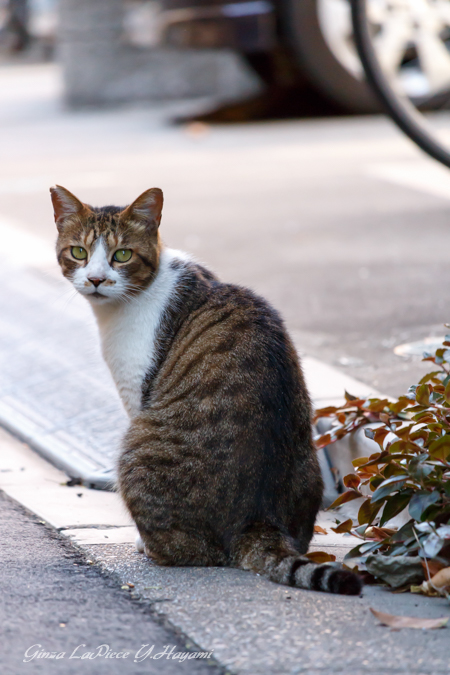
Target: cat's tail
x,y
266,551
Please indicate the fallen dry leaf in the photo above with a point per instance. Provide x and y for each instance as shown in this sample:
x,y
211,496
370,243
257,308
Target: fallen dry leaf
x,y
423,589
320,556
319,530
197,129
441,580
397,622
431,566
378,533
439,584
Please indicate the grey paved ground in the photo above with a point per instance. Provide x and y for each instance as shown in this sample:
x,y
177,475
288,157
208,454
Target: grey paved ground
x,y
253,626
52,597
257,627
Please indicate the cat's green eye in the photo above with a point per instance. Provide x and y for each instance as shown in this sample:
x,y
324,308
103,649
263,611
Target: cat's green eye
x,y
122,255
79,252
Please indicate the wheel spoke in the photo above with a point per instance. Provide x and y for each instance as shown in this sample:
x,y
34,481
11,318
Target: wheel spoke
x,y
434,59
391,43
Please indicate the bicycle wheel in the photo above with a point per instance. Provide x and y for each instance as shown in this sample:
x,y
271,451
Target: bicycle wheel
x,y
397,106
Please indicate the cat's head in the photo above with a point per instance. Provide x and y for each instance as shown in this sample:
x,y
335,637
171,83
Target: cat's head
x,y
110,253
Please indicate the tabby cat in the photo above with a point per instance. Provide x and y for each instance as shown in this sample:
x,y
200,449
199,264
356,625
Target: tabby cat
x,y
218,465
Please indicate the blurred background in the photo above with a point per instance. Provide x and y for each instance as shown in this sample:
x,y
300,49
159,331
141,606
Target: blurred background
x,y
279,169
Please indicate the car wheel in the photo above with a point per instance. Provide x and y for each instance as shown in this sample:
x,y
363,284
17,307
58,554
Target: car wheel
x,y
411,37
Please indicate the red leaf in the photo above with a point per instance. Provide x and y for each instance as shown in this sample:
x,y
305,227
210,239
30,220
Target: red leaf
x,y
346,526
352,481
344,498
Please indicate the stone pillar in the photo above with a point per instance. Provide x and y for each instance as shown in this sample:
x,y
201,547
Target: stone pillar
x,y
99,69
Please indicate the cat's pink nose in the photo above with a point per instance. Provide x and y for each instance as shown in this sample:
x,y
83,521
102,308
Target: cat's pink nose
x,y
96,281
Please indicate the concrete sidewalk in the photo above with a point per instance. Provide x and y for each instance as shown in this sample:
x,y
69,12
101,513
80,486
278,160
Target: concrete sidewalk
x,y
252,625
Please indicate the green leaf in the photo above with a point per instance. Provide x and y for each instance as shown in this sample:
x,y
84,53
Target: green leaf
x,y
376,481
361,549
359,461
419,469
353,553
423,394
421,501
388,486
395,505
429,376
404,533
394,470
367,512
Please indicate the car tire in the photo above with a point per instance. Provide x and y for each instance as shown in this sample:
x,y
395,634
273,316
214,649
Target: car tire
x,y
303,33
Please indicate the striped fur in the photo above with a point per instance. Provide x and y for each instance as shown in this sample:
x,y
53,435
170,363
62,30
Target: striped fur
x,y
218,466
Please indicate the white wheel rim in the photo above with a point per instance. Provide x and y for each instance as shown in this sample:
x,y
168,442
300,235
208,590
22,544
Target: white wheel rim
x,y
400,25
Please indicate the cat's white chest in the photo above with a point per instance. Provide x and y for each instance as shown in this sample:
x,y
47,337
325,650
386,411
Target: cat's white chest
x,y
128,334
128,349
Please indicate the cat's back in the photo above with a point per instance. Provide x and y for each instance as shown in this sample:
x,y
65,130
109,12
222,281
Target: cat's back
x,y
228,359
225,427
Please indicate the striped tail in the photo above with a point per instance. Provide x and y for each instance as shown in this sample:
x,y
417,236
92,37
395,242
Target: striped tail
x,y
265,550
300,572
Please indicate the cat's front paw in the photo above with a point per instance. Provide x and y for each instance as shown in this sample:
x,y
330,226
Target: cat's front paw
x,y
139,544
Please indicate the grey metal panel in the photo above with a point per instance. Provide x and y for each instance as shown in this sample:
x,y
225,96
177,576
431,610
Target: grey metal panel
x,y
55,391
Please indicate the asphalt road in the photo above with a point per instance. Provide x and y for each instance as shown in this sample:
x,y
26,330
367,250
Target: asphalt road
x,y
53,601
341,223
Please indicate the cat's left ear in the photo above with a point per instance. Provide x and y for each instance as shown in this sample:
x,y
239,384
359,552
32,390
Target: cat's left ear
x,y
146,209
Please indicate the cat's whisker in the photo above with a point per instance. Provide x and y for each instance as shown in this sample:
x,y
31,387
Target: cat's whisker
x,y
65,298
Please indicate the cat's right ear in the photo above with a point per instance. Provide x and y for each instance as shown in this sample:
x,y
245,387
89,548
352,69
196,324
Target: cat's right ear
x,y
146,210
65,204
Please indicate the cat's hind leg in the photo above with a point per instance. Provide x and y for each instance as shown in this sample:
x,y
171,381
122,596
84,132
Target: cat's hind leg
x,y
140,547
176,547
264,549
